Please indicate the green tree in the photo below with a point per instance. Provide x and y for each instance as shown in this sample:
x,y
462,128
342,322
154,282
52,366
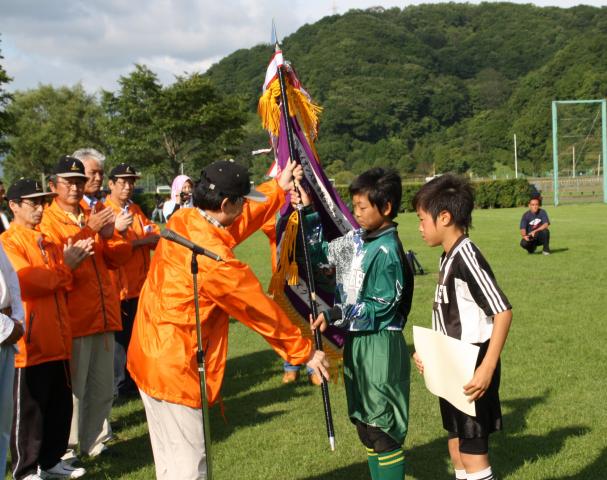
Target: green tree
x,y
50,122
5,119
187,123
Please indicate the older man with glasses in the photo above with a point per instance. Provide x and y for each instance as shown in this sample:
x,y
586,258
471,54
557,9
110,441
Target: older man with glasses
x,y
42,393
93,302
143,236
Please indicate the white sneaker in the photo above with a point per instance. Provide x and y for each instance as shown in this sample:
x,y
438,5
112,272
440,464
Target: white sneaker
x,y
70,456
97,450
33,476
62,470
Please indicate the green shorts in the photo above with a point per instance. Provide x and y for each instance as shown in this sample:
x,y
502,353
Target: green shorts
x,y
377,366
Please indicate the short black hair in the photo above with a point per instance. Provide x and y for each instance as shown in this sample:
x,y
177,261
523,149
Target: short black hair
x,y
382,186
206,199
537,197
450,193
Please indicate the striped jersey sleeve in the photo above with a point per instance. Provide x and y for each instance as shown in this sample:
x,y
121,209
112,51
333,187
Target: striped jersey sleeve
x,y
483,287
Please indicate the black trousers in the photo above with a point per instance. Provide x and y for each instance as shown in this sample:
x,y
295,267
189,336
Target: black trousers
x,y
128,310
541,238
42,396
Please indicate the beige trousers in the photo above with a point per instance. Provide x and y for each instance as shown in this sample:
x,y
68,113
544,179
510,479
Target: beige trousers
x,y
177,439
92,367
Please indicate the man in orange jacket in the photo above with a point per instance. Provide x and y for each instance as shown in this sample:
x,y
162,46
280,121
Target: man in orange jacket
x,y
42,393
93,302
143,236
162,353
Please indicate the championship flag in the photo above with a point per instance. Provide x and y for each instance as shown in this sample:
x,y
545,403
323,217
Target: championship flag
x,y
288,285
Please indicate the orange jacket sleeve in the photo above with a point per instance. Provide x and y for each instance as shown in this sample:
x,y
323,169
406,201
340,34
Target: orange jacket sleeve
x,y
237,291
116,250
37,281
146,222
255,214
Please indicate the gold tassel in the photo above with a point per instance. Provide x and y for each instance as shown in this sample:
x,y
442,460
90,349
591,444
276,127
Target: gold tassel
x,y
300,106
286,269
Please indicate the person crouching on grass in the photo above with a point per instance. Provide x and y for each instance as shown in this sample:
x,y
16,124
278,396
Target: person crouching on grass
x,y
42,389
470,307
374,290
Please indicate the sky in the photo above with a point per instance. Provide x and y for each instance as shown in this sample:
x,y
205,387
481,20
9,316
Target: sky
x,y
94,42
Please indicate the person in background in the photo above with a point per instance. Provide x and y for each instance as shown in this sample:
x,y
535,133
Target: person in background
x,y
92,303
534,228
157,212
181,196
143,236
42,390
11,330
4,221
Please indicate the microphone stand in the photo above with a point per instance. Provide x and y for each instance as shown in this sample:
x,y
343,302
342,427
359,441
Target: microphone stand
x,y
206,429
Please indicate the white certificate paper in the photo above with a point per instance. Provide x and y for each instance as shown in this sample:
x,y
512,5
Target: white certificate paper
x,y
448,366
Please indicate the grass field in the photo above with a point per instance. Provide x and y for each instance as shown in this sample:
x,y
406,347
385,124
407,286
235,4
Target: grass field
x,y
554,377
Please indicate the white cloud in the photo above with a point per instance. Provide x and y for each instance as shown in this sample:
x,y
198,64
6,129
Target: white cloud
x,y
95,41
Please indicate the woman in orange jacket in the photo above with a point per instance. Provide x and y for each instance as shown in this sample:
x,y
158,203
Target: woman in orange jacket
x,y
162,353
42,392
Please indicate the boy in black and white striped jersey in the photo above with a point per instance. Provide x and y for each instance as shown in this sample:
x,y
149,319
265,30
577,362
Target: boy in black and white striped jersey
x,y
469,306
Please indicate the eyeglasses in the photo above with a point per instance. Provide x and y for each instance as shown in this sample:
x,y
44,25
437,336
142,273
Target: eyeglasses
x,y
70,183
122,182
35,203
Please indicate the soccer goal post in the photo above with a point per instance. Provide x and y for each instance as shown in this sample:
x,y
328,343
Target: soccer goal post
x,y
555,145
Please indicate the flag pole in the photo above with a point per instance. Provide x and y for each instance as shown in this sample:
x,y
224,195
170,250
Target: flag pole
x,y
307,260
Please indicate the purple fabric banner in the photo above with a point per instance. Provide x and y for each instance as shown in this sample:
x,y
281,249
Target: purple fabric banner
x,y
335,216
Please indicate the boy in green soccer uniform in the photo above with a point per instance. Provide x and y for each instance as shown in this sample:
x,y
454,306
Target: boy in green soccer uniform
x,y
374,289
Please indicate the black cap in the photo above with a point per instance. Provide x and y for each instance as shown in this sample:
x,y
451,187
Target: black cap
x,y
124,170
230,178
69,167
27,188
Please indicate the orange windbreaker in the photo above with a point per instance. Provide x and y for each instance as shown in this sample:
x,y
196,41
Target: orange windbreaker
x,y
117,275
93,303
162,352
137,266
43,279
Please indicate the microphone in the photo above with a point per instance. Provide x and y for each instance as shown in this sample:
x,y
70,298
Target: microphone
x,y
184,242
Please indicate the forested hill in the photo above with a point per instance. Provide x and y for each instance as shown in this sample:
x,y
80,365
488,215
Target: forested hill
x,y
436,86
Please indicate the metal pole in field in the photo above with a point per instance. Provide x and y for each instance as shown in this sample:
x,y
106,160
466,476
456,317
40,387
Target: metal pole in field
x,y
573,161
555,154
604,142
515,159
598,167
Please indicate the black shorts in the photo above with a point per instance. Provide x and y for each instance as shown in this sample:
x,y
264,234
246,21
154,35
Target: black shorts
x,y
375,438
488,409
472,446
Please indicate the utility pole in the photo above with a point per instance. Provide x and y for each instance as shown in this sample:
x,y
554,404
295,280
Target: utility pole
x,y
515,159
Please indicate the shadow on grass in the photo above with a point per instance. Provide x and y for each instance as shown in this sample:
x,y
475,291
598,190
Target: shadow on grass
x,y
596,470
246,371
121,458
243,402
130,419
509,449
559,250
355,471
